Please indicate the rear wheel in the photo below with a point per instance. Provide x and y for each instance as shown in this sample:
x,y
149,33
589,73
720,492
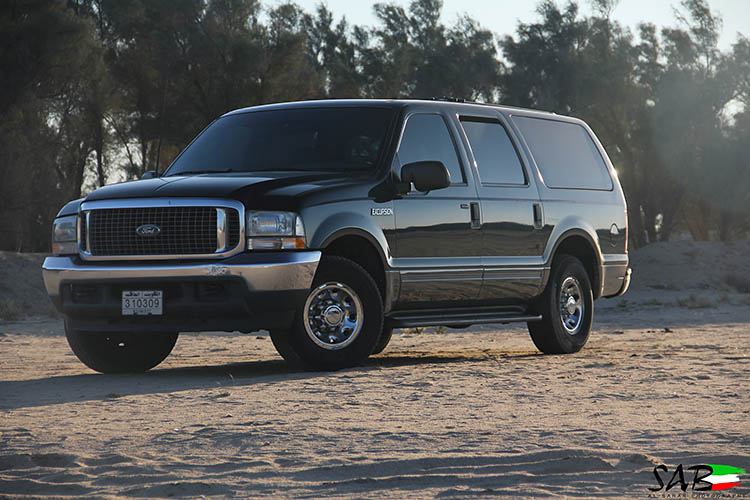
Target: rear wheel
x,y
567,308
340,322
120,352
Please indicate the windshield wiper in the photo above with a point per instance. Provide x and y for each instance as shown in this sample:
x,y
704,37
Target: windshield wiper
x,y
195,172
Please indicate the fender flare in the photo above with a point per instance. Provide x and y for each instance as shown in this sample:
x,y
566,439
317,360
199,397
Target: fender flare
x,y
575,226
349,224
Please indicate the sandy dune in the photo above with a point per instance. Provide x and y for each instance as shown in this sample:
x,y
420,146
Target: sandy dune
x,y
460,414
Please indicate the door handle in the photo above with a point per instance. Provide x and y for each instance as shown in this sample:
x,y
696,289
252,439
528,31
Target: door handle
x,y
476,222
538,218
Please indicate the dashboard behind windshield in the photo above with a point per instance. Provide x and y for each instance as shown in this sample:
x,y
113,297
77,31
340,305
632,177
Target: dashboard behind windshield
x,y
304,139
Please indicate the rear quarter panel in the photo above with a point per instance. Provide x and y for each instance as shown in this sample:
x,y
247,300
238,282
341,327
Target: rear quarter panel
x,y
599,215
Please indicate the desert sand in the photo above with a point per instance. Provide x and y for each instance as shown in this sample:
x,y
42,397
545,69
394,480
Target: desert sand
x,y
475,413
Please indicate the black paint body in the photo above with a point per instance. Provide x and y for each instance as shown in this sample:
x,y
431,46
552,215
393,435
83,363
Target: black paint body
x,y
467,245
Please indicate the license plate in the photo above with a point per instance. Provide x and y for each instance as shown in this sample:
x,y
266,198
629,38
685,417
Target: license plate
x,y
142,303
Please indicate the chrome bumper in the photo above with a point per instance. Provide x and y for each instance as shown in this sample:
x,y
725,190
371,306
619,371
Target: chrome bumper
x,y
619,285
625,283
268,272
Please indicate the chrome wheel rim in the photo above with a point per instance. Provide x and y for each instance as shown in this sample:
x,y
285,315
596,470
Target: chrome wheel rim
x,y
571,305
333,316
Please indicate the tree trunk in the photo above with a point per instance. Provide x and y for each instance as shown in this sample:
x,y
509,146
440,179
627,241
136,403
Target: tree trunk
x,y
697,218
99,148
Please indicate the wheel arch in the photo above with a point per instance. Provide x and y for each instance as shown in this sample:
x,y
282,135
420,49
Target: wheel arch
x,y
582,243
363,248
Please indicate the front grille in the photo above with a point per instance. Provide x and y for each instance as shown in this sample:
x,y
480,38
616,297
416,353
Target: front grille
x,y
182,231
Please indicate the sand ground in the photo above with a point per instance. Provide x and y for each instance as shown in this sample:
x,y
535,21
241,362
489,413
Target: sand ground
x,y
459,414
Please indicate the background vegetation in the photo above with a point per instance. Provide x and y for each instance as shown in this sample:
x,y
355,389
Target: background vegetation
x,y
94,91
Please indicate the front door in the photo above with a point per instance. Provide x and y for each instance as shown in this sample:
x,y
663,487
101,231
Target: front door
x,y
438,236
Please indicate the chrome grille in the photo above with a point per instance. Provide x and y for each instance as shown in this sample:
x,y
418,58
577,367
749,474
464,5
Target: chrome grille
x,y
183,230
197,228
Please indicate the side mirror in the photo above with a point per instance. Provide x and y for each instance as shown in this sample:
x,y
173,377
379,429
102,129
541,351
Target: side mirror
x,y
151,174
426,175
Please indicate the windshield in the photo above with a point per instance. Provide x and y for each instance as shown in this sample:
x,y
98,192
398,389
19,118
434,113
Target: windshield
x,y
327,139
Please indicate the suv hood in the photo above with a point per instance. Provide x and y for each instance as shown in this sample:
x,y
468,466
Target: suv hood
x,y
246,188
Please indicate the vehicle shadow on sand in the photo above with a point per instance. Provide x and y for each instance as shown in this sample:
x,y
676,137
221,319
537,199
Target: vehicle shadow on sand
x,y
92,386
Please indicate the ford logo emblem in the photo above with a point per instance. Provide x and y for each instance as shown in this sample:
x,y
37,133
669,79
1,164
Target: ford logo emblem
x,y
148,230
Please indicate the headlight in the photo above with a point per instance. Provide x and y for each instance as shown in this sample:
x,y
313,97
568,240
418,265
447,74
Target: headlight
x,y
65,235
274,230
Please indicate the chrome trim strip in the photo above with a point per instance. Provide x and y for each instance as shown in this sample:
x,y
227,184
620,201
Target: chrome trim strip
x,y
512,274
512,278
435,280
452,270
88,231
511,268
440,275
505,273
78,231
514,262
448,264
221,230
88,206
291,271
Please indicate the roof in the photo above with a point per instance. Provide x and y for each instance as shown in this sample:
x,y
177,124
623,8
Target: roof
x,y
385,103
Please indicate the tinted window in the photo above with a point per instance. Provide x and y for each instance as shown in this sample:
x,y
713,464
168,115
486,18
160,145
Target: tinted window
x,y
497,159
565,154
330,139
426,138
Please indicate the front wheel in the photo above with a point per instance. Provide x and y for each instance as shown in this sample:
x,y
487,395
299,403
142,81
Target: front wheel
x,y
567,308
384,340
341,320
120,352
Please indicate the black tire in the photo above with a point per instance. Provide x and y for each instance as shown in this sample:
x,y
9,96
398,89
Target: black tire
x,y
120,352
384,340
280,340
555,335
357,287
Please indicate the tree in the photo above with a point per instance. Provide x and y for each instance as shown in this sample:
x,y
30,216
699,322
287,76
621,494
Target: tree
x,y
48,58
412,54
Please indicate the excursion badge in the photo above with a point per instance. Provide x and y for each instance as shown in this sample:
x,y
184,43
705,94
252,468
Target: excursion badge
x,y
381,211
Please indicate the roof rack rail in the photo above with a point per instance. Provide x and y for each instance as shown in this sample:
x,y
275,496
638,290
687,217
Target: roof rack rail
x,y
447,98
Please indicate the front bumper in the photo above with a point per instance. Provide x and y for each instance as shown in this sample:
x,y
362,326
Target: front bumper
x,y
247,292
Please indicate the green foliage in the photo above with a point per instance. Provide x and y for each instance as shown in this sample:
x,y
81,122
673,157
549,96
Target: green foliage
x,y
50,63
659,106
95,91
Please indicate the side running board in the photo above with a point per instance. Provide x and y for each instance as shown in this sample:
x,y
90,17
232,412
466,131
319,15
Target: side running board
x,y
448,317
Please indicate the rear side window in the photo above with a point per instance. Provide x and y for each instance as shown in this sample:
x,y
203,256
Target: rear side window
x,y
565,153
426,138
496,157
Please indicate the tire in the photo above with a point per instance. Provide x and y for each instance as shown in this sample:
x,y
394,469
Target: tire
x,y
341,321
384,340
120,352
565,328
280,340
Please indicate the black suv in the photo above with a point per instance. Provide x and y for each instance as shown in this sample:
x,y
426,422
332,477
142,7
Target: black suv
x,y
330,223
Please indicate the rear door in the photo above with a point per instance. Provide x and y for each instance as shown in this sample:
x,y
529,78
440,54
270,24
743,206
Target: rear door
x,y
513,219
438,243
